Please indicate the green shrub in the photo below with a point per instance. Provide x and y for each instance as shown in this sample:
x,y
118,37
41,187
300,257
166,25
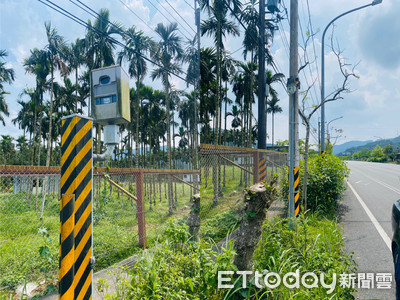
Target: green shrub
x,y
176,232
217,227
326,183
176,271
315,245
112,243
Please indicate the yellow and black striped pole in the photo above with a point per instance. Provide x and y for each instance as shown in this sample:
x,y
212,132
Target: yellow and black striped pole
x,y
67,246
76,180
262,168
296,192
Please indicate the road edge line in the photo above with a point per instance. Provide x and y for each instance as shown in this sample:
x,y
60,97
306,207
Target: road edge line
x,y
374,221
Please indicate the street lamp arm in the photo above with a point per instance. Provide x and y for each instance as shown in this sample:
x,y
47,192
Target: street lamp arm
x,y
343,14
375,2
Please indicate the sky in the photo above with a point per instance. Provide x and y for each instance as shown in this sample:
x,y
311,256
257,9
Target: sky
x,y
368,39
22,29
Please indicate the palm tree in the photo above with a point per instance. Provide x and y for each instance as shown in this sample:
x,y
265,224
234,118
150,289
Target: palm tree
x,y
218,26
67,98
6,76
236,121
55,49
98,42
168,54
75,56
137,46
273,108
99,46
192,57
250,17
37,64
244,88
269,81
208,62
25,116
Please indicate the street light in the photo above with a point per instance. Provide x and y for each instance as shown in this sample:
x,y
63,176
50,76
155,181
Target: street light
x,y
375,2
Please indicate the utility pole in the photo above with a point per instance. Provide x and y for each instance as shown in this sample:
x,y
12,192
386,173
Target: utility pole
x,y
262,128
197,87
293,84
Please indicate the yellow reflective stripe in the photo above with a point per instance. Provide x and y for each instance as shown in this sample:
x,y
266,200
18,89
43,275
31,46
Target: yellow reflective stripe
x,y
66,263
68,130
68,295
67,228
79,135
83,195
83,218
83,242
85,262
85,287
81,176
75,162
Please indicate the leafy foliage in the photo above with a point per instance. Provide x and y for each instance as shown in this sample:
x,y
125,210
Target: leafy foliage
x,y
325,183
315,245
176,270
217,228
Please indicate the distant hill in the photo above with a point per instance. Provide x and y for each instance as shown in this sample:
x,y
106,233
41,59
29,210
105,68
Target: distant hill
x,y
341,148
395,142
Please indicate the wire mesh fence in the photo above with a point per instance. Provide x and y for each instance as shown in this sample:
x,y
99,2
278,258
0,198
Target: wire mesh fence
x,y
129,206
225,172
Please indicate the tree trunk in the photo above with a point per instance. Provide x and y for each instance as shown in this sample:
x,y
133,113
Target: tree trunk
x,y
170,196
273,129
49,142
305,178
137,123
194,219
257,199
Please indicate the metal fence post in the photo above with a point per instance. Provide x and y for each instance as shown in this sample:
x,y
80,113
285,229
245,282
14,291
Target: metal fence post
x,y
255,167
141,209
262,168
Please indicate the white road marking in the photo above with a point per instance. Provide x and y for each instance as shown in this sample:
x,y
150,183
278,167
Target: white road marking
x,y
378,226
359,181
392,188
385,185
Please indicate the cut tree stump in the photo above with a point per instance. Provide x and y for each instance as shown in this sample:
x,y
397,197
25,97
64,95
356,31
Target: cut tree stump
x,y
257,200
194,218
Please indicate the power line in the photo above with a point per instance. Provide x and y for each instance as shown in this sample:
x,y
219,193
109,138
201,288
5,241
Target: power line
x,y
313,43
315,100
255,40
189,4
180,16
74,18
237,50
175,19
166,17
135,15
305,54
284,39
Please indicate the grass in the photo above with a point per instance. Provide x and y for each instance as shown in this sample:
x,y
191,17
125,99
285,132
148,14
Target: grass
x,y
114,224
114,231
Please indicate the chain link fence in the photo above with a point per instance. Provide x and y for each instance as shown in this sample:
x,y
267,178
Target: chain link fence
x,y
30,216
130,208
225,173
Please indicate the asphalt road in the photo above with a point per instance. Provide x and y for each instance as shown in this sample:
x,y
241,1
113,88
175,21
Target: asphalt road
x,y
367,205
